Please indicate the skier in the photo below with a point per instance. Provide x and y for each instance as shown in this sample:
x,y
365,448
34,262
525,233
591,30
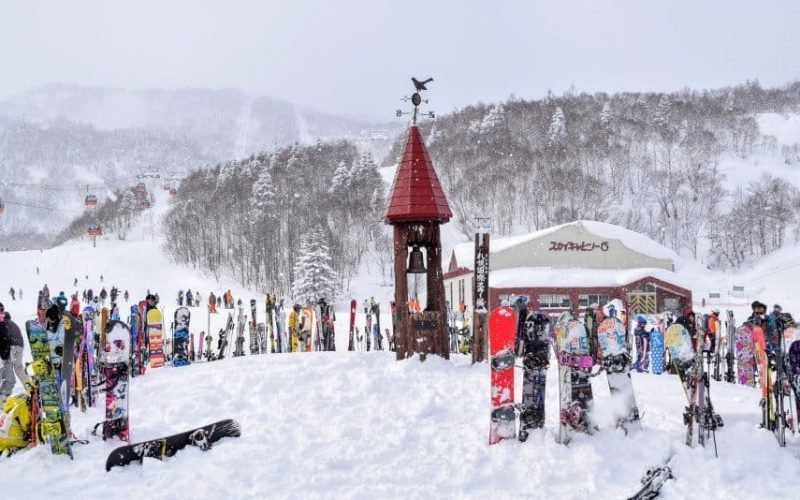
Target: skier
x,y
212,303
89,295
294,328
103,296
127,296
219,301
46,292
83,296
688,322
114,294
711,330
180,297
101,278
75,282
11,292
189,298
198,299
16,365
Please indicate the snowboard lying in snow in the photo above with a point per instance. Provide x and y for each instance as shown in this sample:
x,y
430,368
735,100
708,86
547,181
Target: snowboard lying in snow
x,y
202,437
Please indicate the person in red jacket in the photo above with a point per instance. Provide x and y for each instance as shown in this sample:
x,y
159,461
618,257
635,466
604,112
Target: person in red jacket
x,y
75,305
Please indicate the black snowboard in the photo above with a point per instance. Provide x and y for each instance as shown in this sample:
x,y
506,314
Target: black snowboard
x,y
202,437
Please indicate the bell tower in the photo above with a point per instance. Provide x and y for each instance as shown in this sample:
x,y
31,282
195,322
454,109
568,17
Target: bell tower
x,y
416,209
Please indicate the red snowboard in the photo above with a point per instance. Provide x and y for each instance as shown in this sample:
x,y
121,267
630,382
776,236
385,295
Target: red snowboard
x,y
502,330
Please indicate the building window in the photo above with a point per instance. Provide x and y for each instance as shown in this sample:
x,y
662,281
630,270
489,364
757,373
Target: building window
x,y
592,299
644,288
554,301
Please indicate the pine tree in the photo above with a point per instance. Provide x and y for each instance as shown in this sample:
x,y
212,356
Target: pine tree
x,y
557,133
263,195
314,278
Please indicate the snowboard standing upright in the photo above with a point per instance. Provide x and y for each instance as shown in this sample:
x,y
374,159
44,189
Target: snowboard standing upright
x,y
202,437
502,330
574,369
180,354
657,350
115,362
351,340
51,428
688,365
239,351
67,333
156,341
136,327
745,356
255,345
617,362
534,342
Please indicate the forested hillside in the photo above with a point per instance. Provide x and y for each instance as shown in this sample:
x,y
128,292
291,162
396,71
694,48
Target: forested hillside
x,y
651,162
255,219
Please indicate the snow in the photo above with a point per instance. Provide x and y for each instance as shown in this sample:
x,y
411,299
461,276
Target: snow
x,y
362,425
572,277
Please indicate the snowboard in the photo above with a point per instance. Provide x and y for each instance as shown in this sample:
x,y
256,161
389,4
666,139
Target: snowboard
x,y
255,345
502,330
115,361
351,340
240,319
745,356
377,327
574,385
535,344
67,333
51,428
794,372
279,328
656,351
368,328
155,338
616,361
688,366
730,347
306,329
143,345
201,437
135,327
180,354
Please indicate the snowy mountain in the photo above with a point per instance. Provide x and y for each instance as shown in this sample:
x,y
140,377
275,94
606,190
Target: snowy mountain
x,y
61,142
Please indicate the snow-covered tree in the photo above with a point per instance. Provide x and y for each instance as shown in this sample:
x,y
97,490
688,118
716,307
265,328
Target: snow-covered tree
x,y
314,277
263,195
557,133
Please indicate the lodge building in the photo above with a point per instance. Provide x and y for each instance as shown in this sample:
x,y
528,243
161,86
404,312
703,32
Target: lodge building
x,y
570,267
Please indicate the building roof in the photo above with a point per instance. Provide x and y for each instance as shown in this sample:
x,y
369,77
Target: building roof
x,y
464,252
416,193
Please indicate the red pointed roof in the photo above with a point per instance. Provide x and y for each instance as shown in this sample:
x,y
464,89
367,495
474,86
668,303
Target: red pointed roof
x,y
416,194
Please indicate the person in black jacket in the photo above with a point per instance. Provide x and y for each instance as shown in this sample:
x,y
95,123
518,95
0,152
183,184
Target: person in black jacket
x,y
688,322
16,366
6,384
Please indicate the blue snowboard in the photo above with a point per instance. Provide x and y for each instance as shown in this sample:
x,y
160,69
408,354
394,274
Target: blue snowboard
x,y
656,351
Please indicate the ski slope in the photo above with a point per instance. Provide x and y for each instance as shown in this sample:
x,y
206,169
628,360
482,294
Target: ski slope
x,y
361,425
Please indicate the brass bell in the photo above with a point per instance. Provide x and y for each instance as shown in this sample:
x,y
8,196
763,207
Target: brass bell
x,y
415,262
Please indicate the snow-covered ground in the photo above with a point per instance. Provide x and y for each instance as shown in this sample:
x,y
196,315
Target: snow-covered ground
x,y
362,425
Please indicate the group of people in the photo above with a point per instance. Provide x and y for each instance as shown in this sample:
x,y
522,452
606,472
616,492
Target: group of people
x,y
217,301
189,299
14,293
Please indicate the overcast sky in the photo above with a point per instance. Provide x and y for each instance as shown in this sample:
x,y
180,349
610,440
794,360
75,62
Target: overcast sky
x,y
358,56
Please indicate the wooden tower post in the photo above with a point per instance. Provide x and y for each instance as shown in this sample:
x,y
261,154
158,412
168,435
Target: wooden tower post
x,y
416,208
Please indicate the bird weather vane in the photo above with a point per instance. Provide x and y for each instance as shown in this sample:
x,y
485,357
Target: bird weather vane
x,y
416,99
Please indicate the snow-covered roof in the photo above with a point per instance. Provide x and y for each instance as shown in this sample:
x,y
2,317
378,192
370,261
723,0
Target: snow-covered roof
x,y
637,242
541,277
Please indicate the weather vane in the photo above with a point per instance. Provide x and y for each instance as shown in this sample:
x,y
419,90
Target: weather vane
x,y
416,99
